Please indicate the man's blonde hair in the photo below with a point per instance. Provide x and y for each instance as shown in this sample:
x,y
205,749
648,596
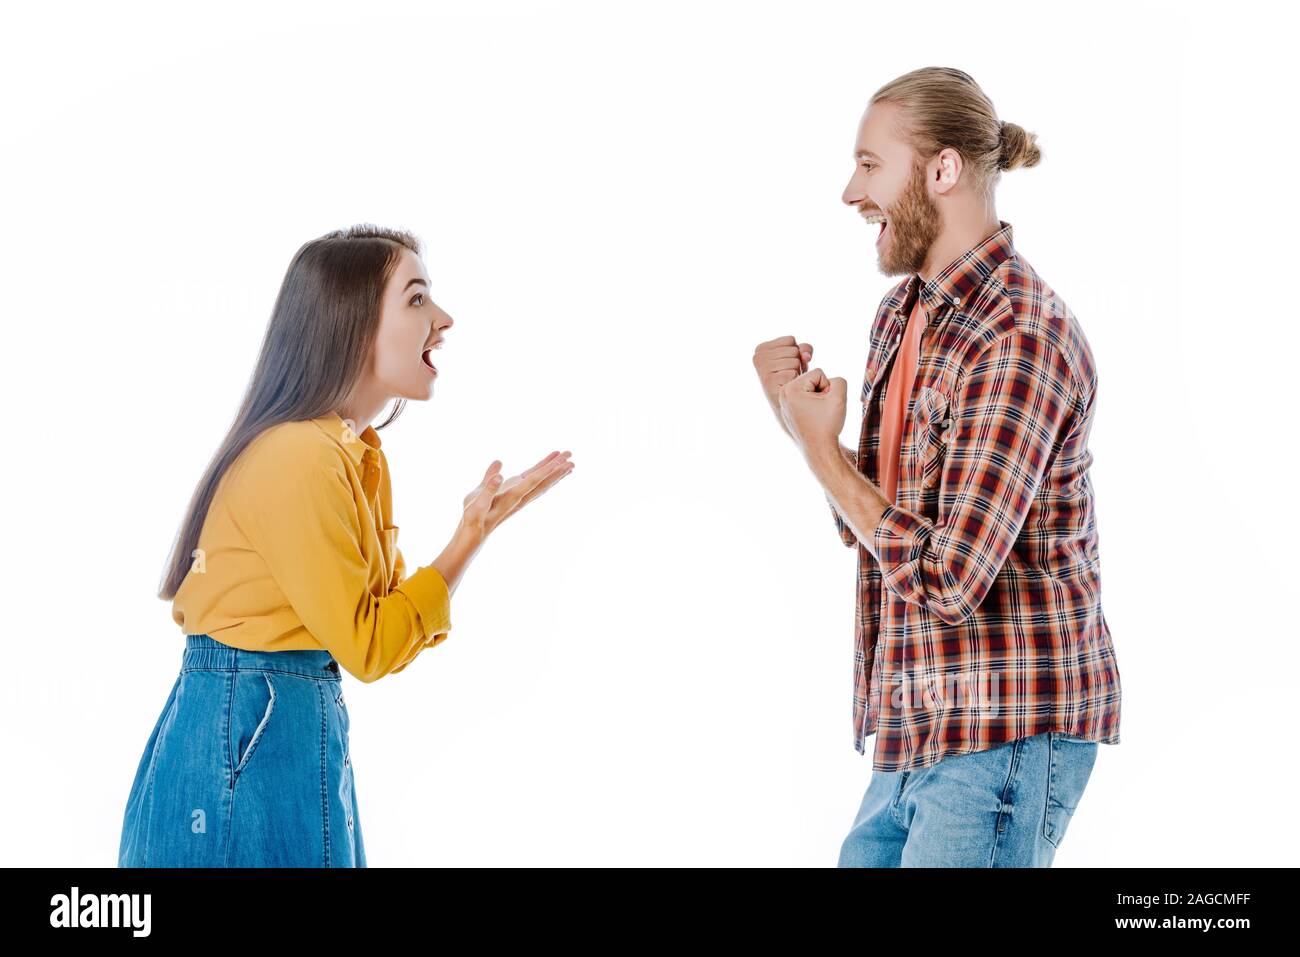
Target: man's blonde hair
x,y
944,107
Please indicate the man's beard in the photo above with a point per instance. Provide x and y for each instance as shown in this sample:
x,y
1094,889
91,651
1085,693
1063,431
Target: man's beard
x,y
914,224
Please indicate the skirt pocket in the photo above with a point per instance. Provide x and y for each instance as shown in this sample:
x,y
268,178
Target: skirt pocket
x,y
252,702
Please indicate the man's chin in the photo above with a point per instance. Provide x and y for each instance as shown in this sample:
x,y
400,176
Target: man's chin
x,y
886,263
888,267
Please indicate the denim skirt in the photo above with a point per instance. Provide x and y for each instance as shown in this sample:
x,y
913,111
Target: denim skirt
x,y
247,766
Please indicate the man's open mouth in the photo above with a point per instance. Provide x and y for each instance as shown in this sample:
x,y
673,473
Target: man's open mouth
x,y
872,218
878,218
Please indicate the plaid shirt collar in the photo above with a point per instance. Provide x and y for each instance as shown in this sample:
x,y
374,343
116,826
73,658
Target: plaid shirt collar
x,y
961,277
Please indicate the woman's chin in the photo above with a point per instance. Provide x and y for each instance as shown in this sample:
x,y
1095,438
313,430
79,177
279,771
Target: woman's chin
x,y
416,393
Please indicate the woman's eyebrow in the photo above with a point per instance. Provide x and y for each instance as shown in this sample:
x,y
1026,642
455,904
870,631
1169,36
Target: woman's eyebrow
x,y
867,154
412,282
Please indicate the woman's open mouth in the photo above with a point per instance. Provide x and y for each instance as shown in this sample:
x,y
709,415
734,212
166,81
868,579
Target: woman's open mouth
x,y
427,358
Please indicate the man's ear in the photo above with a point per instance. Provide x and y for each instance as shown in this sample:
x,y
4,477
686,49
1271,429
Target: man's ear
x,y
949,169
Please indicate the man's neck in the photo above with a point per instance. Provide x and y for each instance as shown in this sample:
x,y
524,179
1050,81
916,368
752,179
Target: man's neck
x,y
954,242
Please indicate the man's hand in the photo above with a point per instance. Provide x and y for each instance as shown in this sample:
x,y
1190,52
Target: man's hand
x,y
813,408
777,362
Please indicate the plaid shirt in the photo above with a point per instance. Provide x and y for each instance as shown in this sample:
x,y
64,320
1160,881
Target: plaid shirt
x,y
981,622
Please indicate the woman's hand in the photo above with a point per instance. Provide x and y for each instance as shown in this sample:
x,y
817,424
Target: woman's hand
x,y
496,498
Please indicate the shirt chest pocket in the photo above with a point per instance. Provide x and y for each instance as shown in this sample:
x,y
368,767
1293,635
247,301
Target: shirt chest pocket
x,y
931,431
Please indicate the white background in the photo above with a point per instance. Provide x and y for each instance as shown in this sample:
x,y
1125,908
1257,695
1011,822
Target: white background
x,y
652,664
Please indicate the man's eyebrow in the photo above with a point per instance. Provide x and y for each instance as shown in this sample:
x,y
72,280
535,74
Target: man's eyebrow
x,y
412,282
866,153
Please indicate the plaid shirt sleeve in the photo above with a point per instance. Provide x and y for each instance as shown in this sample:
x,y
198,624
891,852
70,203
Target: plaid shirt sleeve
x,y
1010,413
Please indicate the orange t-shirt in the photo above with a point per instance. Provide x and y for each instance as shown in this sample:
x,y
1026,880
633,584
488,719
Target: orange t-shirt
x,y
901,379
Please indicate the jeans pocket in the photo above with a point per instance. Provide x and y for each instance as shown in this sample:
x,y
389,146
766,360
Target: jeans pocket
x,y
1069,765
252,701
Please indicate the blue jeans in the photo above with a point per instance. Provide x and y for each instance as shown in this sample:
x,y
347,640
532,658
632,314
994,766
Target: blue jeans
x,y
247,766
1008,806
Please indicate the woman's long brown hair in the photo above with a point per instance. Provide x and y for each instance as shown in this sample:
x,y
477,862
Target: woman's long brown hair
x,y
320,335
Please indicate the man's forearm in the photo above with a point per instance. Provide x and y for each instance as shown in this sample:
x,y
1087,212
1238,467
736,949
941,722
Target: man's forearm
x,y
857,500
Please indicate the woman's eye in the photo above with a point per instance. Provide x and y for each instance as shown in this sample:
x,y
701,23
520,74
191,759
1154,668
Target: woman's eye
x,y
868,164
419,296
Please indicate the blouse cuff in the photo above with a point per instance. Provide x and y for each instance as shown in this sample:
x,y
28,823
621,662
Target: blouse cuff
x,y
427,590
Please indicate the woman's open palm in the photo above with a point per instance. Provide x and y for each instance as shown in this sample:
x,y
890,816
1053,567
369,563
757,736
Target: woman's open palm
x,y
496,498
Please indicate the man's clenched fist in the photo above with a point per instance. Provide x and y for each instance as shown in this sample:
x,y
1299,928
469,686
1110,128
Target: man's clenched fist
x,y
777,362
812,407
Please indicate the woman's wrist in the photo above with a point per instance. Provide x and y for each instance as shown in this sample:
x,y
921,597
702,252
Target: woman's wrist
x,y
460,551
470,535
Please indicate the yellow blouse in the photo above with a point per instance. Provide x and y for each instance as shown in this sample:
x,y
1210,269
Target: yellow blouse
x,y
298,551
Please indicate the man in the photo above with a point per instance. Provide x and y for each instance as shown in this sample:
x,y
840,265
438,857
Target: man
x,y
983,661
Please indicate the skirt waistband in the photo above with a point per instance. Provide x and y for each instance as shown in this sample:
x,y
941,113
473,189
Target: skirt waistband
x,y
205,653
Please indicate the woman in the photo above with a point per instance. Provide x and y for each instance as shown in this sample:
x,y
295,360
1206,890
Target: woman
x,y
286,568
